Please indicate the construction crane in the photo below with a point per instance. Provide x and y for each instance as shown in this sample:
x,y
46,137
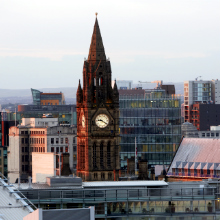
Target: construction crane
x,y
159,82
198,78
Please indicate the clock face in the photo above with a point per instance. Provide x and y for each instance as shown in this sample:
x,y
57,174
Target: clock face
x,y
83,121
102,120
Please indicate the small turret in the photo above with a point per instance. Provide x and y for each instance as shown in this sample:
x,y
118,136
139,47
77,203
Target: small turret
x,y
79,93
115,93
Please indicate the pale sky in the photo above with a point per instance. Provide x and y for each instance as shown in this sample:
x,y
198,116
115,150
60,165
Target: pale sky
x,y
43,42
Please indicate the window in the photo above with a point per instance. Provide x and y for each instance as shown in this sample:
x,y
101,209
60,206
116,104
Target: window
x,y
61,140
23,149
208,134
94,155
61,149
66,149
22,132
26,158
203,134
52,149
58,149
101,155
217,134
95,176
102,176
66,140
26,167
109,176
22,140
26,132
52,140
22,158
26,140
74,140
26,149
109,154
57,140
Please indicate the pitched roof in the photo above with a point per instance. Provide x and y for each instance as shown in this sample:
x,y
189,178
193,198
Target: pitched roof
x,y
12,206
197,153
96,51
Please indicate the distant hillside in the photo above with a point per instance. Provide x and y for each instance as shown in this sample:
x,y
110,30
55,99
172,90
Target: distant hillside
x,y
24,96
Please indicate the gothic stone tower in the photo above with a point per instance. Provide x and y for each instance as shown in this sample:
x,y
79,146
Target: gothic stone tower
x,y
97,117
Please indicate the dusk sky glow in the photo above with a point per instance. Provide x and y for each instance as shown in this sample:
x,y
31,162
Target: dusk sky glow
x,y
43,43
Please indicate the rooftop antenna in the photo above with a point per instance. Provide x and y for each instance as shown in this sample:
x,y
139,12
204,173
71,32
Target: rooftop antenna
x,y
198,78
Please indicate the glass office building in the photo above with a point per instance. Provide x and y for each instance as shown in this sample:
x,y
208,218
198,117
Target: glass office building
x,y
154,118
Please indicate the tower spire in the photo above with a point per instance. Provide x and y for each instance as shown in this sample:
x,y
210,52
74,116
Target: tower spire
x,y
96,51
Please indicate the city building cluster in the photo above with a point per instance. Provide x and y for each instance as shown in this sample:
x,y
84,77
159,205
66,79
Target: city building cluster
x,y
120,152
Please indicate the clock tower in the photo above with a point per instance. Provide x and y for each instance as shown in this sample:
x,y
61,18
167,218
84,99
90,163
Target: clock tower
x,y
97,117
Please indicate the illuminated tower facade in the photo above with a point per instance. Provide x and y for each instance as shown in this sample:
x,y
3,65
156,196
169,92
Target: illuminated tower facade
x,y
97,117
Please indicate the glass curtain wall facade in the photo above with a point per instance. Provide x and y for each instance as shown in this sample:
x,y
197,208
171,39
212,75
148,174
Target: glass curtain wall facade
x,y
155,121
36,96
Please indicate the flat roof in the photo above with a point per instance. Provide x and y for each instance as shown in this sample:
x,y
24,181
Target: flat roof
x,y
101,184
124,183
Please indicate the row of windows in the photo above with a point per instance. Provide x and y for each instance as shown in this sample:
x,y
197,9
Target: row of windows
x,y
33,132
149,103
166,148
61,140
60,149
37,140
144,130
151,112
38,149
149,121
102,176
210,134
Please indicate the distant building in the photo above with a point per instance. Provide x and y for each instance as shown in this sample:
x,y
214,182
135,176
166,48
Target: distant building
x,y
4,133
123,84
66,114
197,93
190,131
35,135
152,117
196,159
40,98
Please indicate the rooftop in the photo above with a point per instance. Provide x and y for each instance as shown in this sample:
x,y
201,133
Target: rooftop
x,y
197,153
12,206
101,184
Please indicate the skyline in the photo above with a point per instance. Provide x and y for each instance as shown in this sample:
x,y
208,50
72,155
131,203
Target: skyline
x,y
44,44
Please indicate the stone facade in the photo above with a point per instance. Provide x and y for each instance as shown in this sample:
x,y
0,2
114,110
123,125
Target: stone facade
x,y
98,116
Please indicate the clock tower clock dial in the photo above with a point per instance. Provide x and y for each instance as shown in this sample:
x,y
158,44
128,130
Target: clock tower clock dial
x,y
83,121
102,120
98,103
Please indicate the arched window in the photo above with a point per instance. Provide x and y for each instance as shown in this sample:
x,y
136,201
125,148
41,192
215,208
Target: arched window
x,y
109,176
109,154
94,156
101,155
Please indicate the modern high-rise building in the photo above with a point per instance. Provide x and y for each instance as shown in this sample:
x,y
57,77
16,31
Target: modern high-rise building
x,y
197,93
153,118
97,116
41,98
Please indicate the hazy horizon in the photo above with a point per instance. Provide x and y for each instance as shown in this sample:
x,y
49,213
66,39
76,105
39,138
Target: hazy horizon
x,y
43,43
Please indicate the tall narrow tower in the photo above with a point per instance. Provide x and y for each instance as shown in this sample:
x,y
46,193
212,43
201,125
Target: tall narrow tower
x,y
97,117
